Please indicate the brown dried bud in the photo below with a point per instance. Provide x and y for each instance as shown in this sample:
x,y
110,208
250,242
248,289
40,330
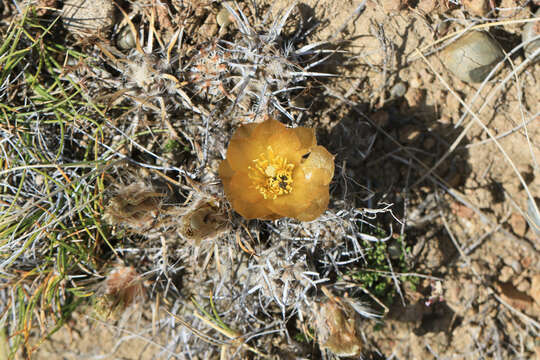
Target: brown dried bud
x,y
122,288
335,326
135,206
202,221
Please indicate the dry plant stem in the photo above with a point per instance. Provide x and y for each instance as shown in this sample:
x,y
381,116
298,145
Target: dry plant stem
x,y
484,127
376,299
356,13
528,319
230,334
132,28
456,245
513,73
505,134
196,332
487,234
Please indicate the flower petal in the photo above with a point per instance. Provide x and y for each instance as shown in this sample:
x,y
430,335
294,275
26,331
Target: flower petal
x,y
240,154
306,137
240,151
307,189
317,206
320,159
286,144
266,129
225,171
244,131
253,211
246,200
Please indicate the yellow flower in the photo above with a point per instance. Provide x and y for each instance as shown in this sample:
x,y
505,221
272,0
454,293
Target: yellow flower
x,y
272,171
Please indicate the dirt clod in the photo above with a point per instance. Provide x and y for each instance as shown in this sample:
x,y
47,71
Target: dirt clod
x,y
518,223
477,7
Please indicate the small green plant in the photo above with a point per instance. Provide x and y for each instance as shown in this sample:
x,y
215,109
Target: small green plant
x,y
171,146
382,259
301,338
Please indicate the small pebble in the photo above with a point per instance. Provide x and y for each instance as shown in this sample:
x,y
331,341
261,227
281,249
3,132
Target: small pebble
x,y
506,274
125,39
398,90
414,97
409,134
224,18
393,5
523,286
445,120
530,31
472,57
513,263
518,223
427,6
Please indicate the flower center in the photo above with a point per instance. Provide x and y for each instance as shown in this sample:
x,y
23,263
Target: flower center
x,y
271,174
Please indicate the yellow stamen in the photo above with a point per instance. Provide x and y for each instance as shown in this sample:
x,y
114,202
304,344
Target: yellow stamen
x,y
271,174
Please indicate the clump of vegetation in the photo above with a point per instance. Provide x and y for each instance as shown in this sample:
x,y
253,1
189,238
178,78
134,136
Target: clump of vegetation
x,y
265,66
51,181
382,261
121,288
135,206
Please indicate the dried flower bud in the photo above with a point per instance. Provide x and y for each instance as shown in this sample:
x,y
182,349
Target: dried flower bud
x,y
203,221
134,206
335,326
122,288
